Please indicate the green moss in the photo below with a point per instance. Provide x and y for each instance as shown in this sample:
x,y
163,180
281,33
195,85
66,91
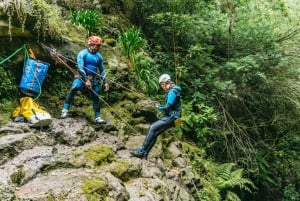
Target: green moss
x,y
123,171
190,149
98,155
4,118
59,197
18,177
110,41
95,189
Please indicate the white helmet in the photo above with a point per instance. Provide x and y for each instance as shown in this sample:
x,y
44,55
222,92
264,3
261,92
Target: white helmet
x,y
164,78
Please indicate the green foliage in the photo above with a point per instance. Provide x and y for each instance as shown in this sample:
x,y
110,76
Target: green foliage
x,y
145,72
197,120
91,20
99,154
143,66
7,84
18,176
290,193
218,181
226,179
244,59
44,19
222,182
238,64
131,42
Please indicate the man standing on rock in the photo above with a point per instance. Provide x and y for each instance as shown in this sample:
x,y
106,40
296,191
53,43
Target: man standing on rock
x,y
171,115
89,60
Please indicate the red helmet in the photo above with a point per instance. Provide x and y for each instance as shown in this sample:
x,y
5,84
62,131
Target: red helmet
x,y
95,40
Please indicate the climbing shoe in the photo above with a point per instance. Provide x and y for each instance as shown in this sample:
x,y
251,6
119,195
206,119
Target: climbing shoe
x,y
64,114
99,120
139,153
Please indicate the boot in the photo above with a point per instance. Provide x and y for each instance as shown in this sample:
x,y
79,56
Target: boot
x,y
139,153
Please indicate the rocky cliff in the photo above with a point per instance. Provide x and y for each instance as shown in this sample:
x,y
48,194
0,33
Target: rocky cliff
x,y
75,160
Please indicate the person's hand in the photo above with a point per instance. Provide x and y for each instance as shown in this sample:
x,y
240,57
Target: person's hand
x,y
106,87
88,84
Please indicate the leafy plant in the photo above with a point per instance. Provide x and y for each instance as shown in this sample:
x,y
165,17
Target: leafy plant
x,y
131,42
226,179
7,84
43,17
197,119
290,193
143,68
91,20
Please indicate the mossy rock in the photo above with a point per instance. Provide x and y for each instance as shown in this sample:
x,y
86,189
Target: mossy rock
x,y
95,156
18,176
95,188
124,170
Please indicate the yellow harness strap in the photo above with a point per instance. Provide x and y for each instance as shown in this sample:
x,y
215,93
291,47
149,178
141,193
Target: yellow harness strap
x,y
178,121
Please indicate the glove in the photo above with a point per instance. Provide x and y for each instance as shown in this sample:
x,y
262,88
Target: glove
x,y
161,107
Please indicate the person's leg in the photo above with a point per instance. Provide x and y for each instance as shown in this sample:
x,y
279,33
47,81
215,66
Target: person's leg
x,y
155,129
76,85
96,103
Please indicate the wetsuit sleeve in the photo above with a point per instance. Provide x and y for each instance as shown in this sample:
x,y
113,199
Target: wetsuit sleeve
x,y
170,101
102,70
171,97
80,64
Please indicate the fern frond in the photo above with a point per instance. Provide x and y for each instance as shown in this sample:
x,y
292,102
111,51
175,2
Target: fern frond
x,y
225,178
231,196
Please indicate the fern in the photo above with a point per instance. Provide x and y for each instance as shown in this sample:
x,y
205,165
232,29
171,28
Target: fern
x,y
209,191
231,196
226,179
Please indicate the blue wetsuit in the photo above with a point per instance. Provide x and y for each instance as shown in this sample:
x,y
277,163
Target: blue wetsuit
x,y
171,111
88,64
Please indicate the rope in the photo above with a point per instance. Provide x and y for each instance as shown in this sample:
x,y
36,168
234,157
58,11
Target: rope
x,y
54,53
13,54
73,71
112,81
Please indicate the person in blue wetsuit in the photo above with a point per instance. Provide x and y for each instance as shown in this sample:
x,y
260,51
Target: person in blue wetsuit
x,y
89,60
171,111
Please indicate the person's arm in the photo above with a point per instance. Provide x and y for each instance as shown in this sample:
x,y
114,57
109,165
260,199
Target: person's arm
x,y
170,101
80,64
103,73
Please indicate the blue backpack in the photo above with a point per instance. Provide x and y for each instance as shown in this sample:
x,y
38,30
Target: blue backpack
x,y
34,73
